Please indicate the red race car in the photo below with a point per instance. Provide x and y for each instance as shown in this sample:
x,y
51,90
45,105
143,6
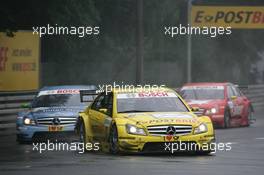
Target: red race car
x,y
224,103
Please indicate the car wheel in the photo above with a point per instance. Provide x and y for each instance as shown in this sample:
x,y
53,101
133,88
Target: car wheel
x,y
204,153
250,116
113,140
226,119
82,135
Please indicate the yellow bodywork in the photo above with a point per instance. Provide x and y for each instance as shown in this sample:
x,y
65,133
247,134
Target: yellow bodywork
x,y
97,126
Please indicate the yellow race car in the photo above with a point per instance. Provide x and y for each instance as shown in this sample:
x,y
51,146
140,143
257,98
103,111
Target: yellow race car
x,y
144,120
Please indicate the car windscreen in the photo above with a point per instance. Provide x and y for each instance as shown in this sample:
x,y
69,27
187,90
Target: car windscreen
x,y
58,100
133,103
203,93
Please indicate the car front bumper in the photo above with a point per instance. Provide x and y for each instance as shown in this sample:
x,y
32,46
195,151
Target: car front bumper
x,y
138,143
35,132
217,119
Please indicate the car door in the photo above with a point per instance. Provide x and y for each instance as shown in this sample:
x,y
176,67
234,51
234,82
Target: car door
x,y
232,101
241,103
95,116
101,116
107,117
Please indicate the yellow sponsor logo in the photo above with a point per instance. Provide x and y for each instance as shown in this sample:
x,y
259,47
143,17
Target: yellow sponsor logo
x,y
248,17
186,121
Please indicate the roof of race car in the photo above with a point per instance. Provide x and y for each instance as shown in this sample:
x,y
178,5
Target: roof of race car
x,y
83,87
207,84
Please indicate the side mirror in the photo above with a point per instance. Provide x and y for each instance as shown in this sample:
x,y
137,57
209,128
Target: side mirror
x,y
88,95
103,110
195,109
25,105
233,97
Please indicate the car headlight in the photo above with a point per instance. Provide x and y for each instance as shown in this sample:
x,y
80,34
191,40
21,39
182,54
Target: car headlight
x,y
131,129
28,121
211,111
201,129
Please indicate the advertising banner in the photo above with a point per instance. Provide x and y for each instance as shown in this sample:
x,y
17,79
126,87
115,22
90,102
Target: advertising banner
x,y
19,61
241,17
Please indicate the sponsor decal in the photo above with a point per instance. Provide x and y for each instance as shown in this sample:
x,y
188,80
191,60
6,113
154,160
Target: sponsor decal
x,y
230,104
136,114
228,16
157,121
169,116
54,109
238,109
146,95
203,87
171,138
199,102
60,91
54,128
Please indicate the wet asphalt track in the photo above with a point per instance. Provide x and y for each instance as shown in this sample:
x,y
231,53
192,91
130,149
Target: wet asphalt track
x,y
246,157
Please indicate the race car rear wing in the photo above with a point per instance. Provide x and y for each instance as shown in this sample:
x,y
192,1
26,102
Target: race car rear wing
x,y
88,95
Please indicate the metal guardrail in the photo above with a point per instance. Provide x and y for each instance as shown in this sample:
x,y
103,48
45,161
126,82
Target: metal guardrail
x,y
255,93
10,105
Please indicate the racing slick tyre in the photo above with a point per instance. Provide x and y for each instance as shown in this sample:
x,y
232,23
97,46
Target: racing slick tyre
x,y
82,133
250,116
226,119
113,140
203,153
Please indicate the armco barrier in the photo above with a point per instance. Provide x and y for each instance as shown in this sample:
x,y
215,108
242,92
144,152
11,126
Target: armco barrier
x,y
10,105
255,93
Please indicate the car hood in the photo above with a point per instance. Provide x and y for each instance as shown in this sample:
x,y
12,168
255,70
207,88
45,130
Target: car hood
x,y
163,118
55,111
205,103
